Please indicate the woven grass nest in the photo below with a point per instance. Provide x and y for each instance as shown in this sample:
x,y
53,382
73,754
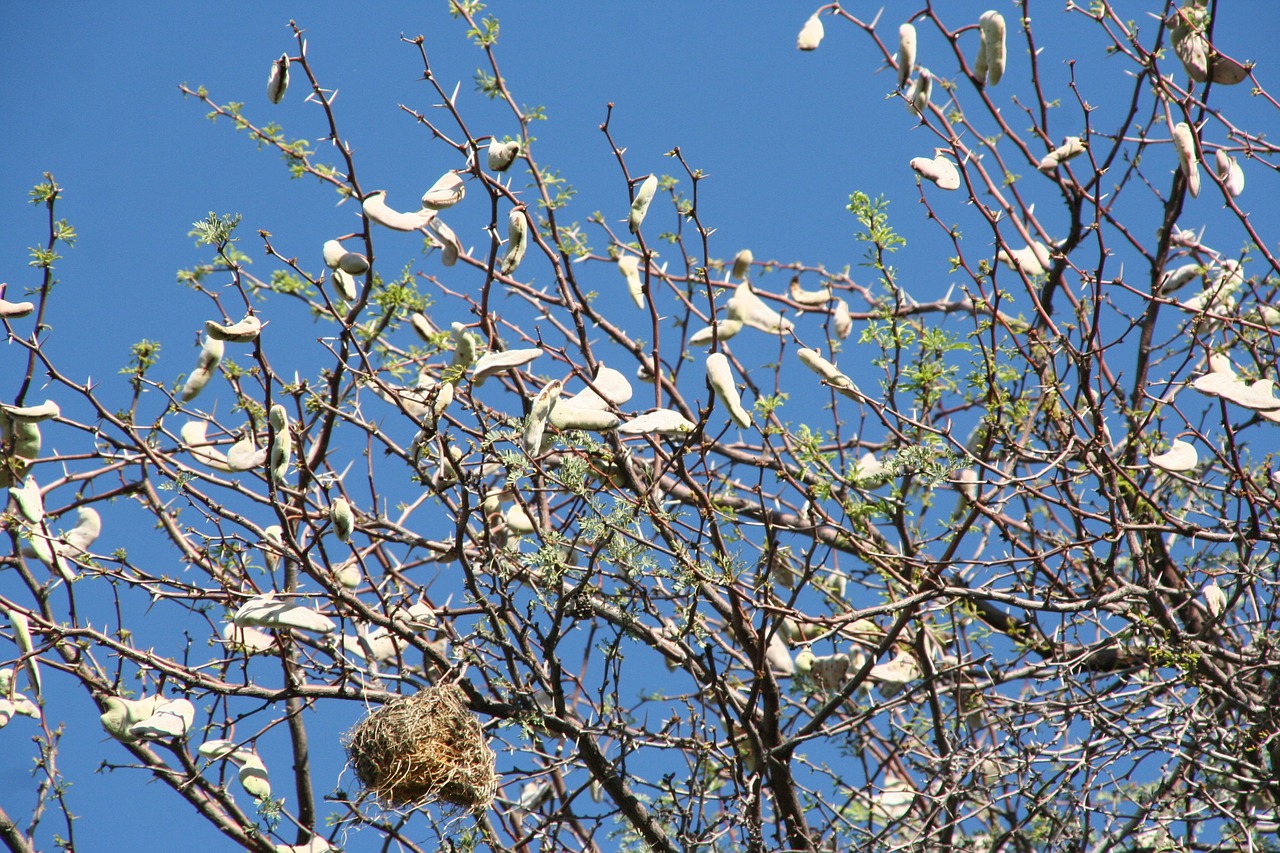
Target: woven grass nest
x,y
424,748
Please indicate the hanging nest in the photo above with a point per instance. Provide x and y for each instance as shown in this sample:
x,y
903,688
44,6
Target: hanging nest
x,y
424,748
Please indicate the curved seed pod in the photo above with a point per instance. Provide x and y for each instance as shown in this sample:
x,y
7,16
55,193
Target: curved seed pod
x,y
1181,456
779,658
869,471
376,209
722,331
445,192
894,802
217,749
539,412
906,53
1073,146
808,297
252,774
1215,599
464,346
448,467
517,239
206,363
26,444
518,520
244,455
30,502
720,376
742,264
247,641
122,714
920,92
1229,172
13,310
612,386
281,443
895,674
193,435
1184,141
344,520
333,252
31,414
422,325
272,545
967,483
841,320
813,360
658,422
497,362
629,268
746,306
1226,71
804,661
278,80
22,637
502,154
1189,44
451,247
264,611
568,416
938,169
829,671
811,33
353,263
640,205
245,331
172,719
345,285
87,530
980,64
1176,279
1033,260
993,35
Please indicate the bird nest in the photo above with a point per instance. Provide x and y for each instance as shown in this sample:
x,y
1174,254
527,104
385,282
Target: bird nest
x,y
424,748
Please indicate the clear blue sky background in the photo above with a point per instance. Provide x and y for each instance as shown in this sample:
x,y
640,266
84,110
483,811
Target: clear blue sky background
x,y
90,94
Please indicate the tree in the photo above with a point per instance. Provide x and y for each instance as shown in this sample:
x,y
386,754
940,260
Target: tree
x,y
714,562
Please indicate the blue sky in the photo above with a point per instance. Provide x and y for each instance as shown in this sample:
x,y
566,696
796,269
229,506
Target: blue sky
x,y
91,95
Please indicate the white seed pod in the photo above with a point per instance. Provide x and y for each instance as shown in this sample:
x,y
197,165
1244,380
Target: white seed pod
x,y
1072,147
629,268
345,285
658,422
451,246
891,677
281,443
498,362
517,240
742,264
640,205
1229,172
781,567
518,520
804,660
417,617
172,719
22,638
420,324
333,252
568,416
207,362
265,611
1226,71
1230,277
779,657
869,471
376,209
502,154
841,320
1189,44
1176,279
26,445
217,749
746,306
245,455
993,36
1215,599
447,191
247,641
811,33
980,64
464,346
278,80
543,404
193,435
1033,260
317,844
353,263
31,414
722,331
29,500
347,574
811,298
813,360
920,92
87,530
829,671
252,774
720,376
1184,142
244,332
938,169
1181,456
894,802
13,310
272,546
611,387
906,53
344,520
122,714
